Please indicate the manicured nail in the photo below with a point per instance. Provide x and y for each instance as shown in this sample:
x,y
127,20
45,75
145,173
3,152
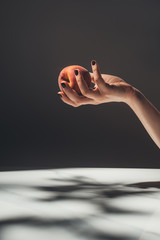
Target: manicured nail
x,y
59,94
76,72
93,62
63,85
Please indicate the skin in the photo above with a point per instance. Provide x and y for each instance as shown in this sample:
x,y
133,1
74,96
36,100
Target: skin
x,y
109,88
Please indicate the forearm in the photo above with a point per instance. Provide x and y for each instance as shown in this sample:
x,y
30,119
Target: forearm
x,y
147,114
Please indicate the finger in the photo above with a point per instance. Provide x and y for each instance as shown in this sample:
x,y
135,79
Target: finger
x,y
93,86
82,101
65,99
85,90
71,93
92,77
97,77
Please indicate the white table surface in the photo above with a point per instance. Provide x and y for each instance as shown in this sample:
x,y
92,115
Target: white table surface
x,y
80,204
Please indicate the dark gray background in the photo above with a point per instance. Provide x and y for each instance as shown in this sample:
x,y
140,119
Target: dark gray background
x,y
38,39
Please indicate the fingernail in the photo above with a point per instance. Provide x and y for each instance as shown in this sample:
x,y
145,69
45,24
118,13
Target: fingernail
x,y
59,94
76,72
93,62
63,85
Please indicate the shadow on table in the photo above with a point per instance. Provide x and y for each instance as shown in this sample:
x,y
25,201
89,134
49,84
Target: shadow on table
x,y
87,191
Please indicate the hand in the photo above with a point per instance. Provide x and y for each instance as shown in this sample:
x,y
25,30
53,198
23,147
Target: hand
x,y
107,88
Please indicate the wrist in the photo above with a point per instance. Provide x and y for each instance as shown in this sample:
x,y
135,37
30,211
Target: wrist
x,y
132,95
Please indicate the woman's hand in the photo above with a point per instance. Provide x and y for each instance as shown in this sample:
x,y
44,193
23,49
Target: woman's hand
x,y
107,88
110,88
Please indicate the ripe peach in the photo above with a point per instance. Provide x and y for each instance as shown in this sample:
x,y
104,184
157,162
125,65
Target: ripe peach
x,y
67,74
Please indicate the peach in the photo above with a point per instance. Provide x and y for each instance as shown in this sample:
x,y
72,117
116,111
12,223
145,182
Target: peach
x,y
67,74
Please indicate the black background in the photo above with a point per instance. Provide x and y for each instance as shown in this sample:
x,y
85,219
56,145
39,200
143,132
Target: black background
x,y
40,38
